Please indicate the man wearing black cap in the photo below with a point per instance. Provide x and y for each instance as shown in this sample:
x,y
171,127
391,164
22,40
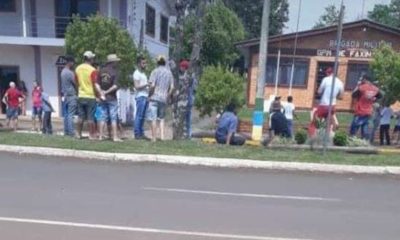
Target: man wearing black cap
x,y
69,91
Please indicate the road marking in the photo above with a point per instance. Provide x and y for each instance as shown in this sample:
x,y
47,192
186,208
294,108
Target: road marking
x,y
142,230
249,195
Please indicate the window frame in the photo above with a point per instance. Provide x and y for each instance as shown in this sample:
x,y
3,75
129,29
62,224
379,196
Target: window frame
x,y
162,16
301,59
347,86
149,33
13,8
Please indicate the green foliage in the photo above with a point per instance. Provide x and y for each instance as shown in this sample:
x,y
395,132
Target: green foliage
x,y
250,12
340,139
217,88
386,69
103,36
388,14
300,137
222,28
329,18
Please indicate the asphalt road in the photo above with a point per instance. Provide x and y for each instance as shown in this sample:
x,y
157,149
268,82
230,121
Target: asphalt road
x,y
47,199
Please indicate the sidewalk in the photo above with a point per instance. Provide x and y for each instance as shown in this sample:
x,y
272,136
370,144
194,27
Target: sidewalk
x,y
203,161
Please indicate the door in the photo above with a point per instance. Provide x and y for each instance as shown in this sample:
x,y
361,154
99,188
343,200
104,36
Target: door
x,y
321,69
7,74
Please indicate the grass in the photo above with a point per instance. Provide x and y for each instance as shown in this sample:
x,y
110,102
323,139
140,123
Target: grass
x,y
246,114
196,148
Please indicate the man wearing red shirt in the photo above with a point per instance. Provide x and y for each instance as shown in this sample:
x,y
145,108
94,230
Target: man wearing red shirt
x,y
365,94
13,99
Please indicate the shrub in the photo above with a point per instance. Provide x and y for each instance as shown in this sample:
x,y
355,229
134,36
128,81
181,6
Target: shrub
x,y
301,137
217,88
340,139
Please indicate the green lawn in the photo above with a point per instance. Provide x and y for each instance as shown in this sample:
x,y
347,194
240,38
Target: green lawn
x,y
196,148
246,114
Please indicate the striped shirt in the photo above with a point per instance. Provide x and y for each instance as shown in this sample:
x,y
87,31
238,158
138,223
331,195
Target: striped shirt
x,y
162,80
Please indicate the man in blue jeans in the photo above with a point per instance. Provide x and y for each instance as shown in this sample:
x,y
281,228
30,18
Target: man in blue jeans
x,y
142,93
69,91
107,85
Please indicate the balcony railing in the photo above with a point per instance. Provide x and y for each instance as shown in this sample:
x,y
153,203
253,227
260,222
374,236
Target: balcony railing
x,y
36,26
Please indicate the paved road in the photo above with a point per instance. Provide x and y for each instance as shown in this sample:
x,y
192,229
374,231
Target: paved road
x,y
47,199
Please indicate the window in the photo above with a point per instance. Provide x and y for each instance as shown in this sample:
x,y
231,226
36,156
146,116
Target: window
x,y
150,21
300,74
354,72
164,29
7,6
65,9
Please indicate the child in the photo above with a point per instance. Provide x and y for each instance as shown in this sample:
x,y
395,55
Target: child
x,y
397,128
386,115
37,109
290,114
47,109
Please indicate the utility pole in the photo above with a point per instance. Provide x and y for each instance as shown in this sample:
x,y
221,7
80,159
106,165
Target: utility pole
x,y
258,115
338,40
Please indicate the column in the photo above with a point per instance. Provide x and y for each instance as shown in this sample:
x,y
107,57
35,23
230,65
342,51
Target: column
x,y
109,15
23,12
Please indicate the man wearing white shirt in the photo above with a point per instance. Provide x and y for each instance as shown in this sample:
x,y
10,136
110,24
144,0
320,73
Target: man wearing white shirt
x,y
325,91
289,109
142,93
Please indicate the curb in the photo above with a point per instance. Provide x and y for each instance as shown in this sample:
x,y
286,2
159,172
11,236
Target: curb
x,y
203,161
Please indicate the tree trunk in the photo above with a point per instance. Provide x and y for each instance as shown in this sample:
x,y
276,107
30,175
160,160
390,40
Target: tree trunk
x,y
180,99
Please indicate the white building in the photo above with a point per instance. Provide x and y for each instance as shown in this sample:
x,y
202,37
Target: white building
x,y
32,31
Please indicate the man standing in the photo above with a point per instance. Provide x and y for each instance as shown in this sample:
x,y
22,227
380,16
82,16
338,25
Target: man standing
x,y
186,96
47,109
69,91
37,108
161,87
289,109
86,77
325,91
107,86
365,94
13,98
227,127
142,93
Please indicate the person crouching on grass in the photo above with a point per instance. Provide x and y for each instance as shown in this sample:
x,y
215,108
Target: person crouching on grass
x,y
227,127
13,98
107,86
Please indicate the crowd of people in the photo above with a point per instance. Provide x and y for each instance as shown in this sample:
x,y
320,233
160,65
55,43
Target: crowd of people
x,y
90,92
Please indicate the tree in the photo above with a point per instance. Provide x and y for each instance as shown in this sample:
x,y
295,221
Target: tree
x,y
388,14
222,28
329,18
103,36
181,51
386,69
217,88
250,12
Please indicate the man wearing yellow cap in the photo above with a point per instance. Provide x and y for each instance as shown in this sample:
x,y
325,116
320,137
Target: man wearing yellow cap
x,y
86,76
161,86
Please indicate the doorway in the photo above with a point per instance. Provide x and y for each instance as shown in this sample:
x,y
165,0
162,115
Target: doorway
x,y
321,69
7,74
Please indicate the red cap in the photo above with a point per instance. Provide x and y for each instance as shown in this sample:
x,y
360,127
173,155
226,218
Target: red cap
x,y
184,64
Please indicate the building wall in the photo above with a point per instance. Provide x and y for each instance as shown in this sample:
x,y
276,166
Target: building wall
x,y
22,57
11,22
137,13
50,79
45,18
